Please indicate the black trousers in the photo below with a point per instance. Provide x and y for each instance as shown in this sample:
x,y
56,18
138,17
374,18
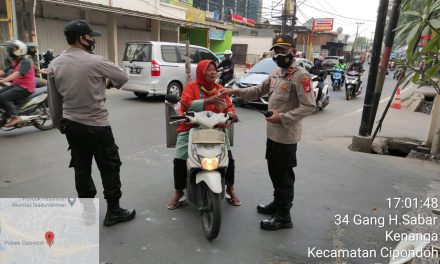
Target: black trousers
x,y
180,173
7,97
225,78
85,143
281,159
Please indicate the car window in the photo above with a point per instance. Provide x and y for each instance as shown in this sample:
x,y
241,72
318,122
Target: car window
x,y
192,54
169,53
137,52
264,67
206,55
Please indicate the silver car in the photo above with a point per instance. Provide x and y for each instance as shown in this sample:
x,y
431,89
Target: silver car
x,y
158,68
260,72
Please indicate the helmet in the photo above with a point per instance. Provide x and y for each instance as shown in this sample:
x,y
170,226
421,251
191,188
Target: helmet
x,y
31,47
16,47
228,53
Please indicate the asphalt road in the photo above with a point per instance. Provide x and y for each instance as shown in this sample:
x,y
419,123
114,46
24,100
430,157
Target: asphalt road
x,y
35,164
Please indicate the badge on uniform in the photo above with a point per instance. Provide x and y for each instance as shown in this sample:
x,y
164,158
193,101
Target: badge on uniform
x,y
284,86
306,84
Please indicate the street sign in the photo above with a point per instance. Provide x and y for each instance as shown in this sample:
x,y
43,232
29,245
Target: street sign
x,y
322,24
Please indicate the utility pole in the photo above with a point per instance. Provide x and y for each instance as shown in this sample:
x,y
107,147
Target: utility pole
x,y
355,39
284,17
26,20
363,141
294,20
389,40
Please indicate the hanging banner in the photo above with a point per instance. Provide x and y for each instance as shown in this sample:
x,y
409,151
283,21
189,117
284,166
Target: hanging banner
x,y
322,24
216,34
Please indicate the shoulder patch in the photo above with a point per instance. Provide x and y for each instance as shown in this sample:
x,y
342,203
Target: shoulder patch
x,y
306,84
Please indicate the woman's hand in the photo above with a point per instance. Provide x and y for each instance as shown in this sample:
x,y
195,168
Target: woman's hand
x,y
215,99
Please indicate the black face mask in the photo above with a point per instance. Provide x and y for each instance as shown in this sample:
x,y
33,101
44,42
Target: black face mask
x,y
90,43
32,53
283,61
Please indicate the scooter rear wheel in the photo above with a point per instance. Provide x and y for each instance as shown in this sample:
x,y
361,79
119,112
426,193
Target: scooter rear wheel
x,y
211,216
44,122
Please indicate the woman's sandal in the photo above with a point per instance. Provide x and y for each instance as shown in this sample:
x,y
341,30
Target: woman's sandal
x,y
174,205
233,201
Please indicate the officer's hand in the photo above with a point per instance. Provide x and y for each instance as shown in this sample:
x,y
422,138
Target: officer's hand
x,y
228,91
275,118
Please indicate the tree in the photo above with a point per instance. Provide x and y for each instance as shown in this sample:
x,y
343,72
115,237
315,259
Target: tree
x,y
420,23
360,43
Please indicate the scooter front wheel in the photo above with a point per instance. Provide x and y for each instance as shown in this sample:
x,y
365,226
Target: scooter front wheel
x,y
211,214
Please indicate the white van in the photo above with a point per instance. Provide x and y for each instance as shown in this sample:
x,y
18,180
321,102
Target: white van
x,y
158,68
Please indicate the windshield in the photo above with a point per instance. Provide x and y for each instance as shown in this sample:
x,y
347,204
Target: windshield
x,y
137,52
264,67
330,61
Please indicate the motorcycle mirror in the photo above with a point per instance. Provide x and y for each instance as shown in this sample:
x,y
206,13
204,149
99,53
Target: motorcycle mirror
x,y
172,98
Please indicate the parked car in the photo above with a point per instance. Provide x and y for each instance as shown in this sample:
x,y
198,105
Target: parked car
x,y
329,63
158,68
259,72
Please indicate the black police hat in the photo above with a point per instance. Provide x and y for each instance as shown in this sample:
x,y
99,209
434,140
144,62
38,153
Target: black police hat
x,y
283,41
79,28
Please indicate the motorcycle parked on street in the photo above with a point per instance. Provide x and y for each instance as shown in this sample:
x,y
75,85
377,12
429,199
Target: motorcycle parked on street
x,y
207,164
34,111
352,85
337,79
324,98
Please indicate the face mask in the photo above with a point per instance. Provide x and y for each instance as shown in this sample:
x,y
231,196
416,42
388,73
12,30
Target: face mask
x,y
90,43
356,61
283,60
32,53
11,54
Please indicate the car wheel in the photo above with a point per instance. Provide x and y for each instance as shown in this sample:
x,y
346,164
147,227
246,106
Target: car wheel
x,y
174,88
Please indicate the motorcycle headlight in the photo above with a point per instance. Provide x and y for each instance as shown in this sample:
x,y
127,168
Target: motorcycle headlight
x,y
209,164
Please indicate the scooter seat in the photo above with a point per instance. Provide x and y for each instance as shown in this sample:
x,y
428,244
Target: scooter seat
x,y
37,92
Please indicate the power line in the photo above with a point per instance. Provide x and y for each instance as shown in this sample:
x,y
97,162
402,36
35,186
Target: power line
x,y
357,19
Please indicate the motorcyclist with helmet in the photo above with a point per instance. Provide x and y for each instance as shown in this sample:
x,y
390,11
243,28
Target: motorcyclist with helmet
x,y
227,66
32,55
319,70
20,71
356,66
340,66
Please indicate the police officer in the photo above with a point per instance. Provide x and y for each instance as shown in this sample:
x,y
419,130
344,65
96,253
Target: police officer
x,y
77,84
291,99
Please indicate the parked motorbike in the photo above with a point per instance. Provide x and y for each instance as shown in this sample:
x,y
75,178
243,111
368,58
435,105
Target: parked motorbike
x,y
34,110
207,164
337,79
352,85
324,98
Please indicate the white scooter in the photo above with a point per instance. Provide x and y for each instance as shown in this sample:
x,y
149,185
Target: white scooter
x,y
324,99
207,164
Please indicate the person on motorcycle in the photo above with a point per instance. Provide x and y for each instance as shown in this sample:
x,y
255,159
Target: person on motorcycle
x,y
21,73
32,55
356,66
319,71
201,95
227,66
342,66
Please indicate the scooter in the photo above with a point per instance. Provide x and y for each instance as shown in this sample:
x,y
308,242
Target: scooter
x,y
352,85
34,111
324,99
337,79
207,164
230,83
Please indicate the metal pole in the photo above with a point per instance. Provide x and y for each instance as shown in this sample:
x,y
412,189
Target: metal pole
x,y
14,19
389,40
294,21
372,75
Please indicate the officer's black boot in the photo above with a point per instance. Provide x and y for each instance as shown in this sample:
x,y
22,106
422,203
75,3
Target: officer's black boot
x,y
116,214
269,209
280,220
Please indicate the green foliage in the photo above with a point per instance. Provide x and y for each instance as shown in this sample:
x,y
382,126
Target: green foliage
x,y
419,18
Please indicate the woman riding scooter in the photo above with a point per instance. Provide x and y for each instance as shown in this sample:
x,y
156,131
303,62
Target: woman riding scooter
x,y
201,95
21,73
